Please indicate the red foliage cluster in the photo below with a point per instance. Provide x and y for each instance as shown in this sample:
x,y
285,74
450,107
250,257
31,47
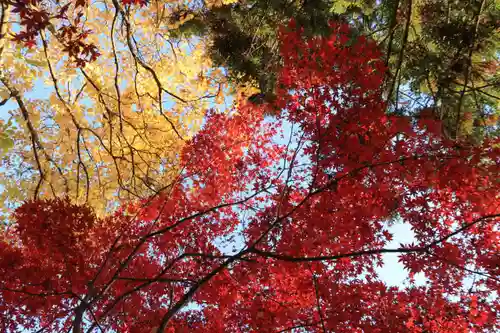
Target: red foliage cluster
x,y
36,16
261,236
64,20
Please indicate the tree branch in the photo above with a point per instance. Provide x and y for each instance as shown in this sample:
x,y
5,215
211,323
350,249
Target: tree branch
x,y
424,248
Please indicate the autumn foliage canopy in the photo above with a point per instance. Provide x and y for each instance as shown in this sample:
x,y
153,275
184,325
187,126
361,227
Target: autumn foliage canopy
x,y
277,224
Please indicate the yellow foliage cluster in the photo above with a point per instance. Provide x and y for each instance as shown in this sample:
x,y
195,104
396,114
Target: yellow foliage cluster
x,y
113,129
218,3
